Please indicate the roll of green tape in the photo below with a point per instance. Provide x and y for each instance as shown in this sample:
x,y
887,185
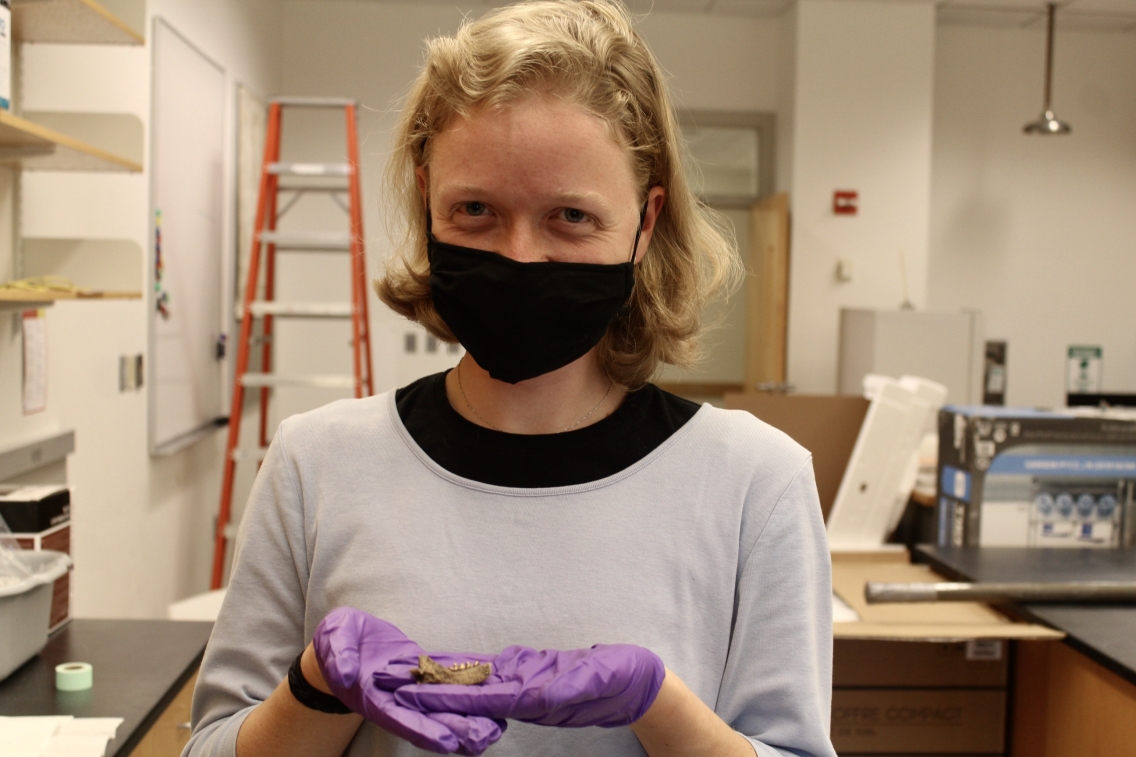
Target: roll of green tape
x,y
74,676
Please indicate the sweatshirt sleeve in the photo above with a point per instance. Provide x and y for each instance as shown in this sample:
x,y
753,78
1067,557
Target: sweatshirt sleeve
x,y
260,628
777,686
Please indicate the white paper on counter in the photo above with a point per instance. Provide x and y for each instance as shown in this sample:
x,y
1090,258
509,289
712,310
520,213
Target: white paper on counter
x,y
105,727
76,746
35,362
28,735
56,736
842,612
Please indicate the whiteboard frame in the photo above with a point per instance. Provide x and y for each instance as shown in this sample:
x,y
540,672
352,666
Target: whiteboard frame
x,y
159,448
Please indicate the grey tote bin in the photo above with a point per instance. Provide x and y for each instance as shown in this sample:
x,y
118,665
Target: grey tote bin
x,y
25,608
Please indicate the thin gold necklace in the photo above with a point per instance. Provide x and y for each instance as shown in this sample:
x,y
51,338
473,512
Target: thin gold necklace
x,y
473,410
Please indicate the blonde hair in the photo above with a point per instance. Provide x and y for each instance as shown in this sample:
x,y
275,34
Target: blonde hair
x,y
587,52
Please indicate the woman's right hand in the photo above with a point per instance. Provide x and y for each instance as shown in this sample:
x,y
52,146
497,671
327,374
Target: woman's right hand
x,y
355,651
608,685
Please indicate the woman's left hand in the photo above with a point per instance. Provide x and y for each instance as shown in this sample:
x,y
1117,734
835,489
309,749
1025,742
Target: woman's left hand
x,y
607,686
358,659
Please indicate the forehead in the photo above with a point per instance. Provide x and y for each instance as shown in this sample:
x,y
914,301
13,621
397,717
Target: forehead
x,y
536,141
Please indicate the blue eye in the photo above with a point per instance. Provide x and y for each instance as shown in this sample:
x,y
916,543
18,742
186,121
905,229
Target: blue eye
x,y
575,216
475,208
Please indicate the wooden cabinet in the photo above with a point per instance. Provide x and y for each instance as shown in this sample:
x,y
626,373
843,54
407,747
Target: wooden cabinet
x,y
1067,705
170,733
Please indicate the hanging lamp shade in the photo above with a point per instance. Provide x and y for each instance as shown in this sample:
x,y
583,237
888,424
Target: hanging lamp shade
x,y
1047,122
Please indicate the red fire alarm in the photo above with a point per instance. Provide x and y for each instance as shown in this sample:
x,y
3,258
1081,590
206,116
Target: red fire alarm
x,y
845,202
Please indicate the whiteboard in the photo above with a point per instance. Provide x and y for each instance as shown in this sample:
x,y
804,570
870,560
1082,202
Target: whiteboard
x,y
185,264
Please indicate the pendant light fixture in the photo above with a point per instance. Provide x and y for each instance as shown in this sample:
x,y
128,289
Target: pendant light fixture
x,y
1047,123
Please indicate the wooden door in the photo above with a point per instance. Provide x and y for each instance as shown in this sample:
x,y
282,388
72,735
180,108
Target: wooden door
x,y
767,293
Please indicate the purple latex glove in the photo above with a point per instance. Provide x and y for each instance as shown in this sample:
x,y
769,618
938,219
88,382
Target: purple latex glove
x,y
607,686
354,651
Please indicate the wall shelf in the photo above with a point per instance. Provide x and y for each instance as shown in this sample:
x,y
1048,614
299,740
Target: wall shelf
x,y
36,147
101,265
29,454
71,22
19,300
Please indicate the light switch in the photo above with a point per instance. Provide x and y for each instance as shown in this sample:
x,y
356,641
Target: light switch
x,y
844,269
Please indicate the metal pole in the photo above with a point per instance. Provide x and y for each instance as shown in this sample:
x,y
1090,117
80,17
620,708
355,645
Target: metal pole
x,y
1000,593
1052,9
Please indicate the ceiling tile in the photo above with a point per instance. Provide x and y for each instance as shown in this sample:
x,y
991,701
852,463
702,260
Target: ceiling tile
x,y
666,6
1002,17
1095,22
1100,6
749,7
1080,15
452,3
1036,6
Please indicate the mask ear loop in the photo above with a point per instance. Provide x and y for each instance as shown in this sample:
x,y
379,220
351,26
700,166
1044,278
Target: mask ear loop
x,y
626,307
638,232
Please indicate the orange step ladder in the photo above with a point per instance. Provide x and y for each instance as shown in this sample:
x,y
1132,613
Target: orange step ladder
x,y
344,178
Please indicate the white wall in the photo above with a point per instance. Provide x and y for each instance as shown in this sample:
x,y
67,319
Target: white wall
x,y
1037,232
141,526
718,62
372,51
786,99
861,121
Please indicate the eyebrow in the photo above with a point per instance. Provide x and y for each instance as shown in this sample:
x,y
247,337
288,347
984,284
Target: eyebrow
x,y
567,197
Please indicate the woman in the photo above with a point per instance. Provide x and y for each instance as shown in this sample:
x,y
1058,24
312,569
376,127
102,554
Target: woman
x,y
667,560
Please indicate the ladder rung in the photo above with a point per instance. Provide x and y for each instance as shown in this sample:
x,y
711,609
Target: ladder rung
x,y
244,455
301,309
332,188
310,169
339,241
274,379
315,102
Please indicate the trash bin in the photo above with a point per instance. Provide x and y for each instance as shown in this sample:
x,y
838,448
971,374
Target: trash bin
x,y
25,607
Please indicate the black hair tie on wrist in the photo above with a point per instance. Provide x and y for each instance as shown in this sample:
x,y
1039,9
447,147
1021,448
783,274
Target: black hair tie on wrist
x,y
309,695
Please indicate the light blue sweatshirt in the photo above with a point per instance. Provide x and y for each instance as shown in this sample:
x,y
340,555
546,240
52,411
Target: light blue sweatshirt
x,y
710,552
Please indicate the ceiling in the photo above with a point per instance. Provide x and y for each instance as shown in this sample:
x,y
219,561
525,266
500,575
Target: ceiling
x,y
1085,15
1082,15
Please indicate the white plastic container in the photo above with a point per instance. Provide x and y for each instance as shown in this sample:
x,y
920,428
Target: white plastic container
x,y
25,609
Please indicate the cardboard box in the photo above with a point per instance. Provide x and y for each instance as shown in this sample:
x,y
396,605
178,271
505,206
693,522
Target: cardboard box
x,y
31,509
827,426
864,663
926,678
919,721
924,621
1015,477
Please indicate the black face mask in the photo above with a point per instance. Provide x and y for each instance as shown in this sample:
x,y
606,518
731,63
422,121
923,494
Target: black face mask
x,y
522,320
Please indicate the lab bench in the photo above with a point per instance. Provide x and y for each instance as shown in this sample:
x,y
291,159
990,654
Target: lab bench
x,y
1076,697
143,673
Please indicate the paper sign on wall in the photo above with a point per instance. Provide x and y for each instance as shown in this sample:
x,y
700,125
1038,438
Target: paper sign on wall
x,y
1083,369
35,361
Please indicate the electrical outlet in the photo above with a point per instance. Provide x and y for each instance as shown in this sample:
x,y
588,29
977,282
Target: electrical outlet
x,y
130,373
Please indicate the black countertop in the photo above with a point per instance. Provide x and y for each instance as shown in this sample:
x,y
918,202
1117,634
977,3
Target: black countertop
x,y
1103,632
139,667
